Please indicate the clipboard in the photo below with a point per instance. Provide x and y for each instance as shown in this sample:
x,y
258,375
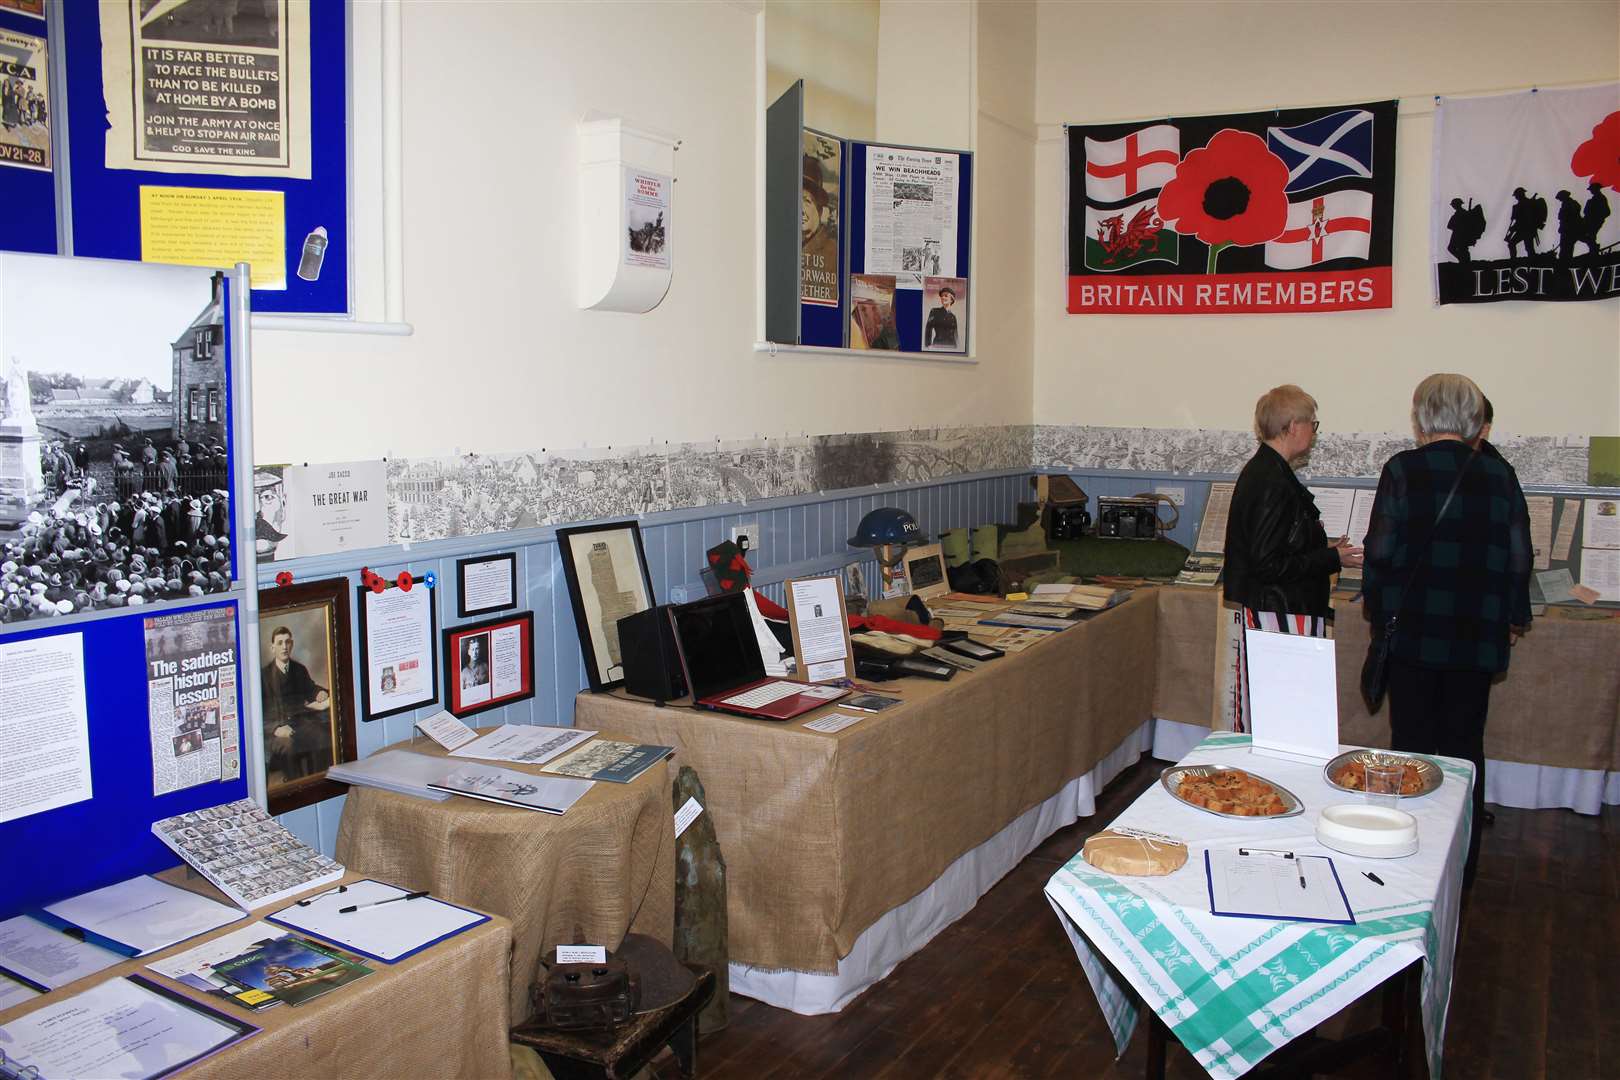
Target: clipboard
x,y
1296,862
821,671
386,932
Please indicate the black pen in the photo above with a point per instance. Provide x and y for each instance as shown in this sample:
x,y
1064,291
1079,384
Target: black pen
x,y
1372,877
1300,866
317,896
390,900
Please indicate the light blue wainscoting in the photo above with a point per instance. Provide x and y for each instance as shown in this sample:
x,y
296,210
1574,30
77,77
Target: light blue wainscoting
x,y
799,536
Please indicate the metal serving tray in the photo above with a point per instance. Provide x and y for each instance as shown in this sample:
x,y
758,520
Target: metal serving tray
x,y
1171,779
1428,770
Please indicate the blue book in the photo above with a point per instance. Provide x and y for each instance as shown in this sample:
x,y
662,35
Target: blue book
x,y
603,759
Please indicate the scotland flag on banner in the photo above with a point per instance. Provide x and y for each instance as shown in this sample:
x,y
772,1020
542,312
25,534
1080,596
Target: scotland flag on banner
x,y
1325,149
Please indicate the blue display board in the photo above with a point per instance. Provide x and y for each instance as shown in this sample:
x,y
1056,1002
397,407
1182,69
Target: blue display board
x,y
108,837
908,313
28,194
106,202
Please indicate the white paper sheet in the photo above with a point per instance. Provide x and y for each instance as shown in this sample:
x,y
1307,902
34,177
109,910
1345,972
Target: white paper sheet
x,y
1361,516
487,585
116,1028
386,931
770,648
1293,694
1600,572
144,913
1334,505
1269,885
834,722
44,725
45,955
399,643
13,992
531,744
1555,585
1541,529
1602,524
446,729
1212,530
818,614
1564,535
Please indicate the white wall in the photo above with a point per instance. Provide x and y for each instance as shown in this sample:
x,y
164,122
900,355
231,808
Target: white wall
x,y
834,49
1549,369
501,360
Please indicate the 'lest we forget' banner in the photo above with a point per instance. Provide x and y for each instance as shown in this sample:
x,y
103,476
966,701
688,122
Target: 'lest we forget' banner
x,y
1284,210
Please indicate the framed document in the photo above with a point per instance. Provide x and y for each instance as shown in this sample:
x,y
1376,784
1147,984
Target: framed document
x,y
486,583
925,571
820,629
607,580
399,650
489,664
306,690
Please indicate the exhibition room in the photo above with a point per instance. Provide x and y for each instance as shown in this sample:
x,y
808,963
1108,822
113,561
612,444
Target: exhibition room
x,y
809,538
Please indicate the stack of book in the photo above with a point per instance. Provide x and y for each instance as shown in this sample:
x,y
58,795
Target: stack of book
x,y
1084,597
1202,569
400,771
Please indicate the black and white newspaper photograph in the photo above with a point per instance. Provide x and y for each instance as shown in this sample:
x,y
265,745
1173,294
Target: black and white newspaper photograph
x,y
191,698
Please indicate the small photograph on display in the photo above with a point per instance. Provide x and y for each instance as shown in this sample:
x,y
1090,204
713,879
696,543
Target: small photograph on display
x,y
818,220
871,312
475,663
944,314
25,137
114,476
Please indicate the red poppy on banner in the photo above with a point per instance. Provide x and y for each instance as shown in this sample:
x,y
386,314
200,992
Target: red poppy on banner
x,y
1285,210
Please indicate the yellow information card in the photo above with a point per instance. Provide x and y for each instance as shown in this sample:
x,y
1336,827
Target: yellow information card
x,y
216,227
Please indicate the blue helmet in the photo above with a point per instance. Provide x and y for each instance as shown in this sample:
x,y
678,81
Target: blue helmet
x,y
886,525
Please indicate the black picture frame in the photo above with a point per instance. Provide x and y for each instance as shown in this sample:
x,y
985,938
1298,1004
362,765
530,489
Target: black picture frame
x,y
577,546
366,713
455,639
465,612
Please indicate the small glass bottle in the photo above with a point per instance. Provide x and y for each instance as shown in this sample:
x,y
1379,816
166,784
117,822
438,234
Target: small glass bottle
x,y
309,263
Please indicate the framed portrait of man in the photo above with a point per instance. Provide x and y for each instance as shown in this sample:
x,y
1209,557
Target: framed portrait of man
x,y
307,690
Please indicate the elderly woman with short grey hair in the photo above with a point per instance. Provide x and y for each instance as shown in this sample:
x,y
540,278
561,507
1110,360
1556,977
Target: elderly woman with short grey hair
x,y
1448,555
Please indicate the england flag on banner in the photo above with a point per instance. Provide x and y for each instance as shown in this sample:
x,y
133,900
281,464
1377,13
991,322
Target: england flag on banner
x,y
1325,149
1124,168
1337,225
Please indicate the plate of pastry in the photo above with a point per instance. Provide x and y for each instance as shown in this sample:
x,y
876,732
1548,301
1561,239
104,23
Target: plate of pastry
x,y
1348,771
1228,792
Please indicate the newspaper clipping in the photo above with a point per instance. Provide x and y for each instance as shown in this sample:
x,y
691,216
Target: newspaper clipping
x,y
646,215
191,698
25,136
208,87
911,217
818,220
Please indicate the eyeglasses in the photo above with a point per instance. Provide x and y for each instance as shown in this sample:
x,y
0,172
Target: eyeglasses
x,y
1316,425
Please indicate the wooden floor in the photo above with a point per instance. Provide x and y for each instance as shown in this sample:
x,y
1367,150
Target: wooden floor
x,y
999,993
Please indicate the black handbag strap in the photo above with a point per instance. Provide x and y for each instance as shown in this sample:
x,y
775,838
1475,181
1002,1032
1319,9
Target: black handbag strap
x,y
1406,589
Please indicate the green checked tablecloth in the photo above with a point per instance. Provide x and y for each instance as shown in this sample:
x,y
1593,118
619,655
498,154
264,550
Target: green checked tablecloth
x,y
1235,989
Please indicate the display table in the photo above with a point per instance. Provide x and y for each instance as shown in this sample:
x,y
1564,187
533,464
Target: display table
x,y
1554,725
607,866
1233,990
441,1012
824,834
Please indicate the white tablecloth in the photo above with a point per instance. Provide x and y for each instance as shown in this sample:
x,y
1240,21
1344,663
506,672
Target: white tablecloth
x,y
1235,989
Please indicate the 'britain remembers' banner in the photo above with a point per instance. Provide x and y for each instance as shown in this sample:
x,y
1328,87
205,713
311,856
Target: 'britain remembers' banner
x,y
1284,210
1521,202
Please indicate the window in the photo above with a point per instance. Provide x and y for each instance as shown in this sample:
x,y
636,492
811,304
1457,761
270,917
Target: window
x,y
213,406
194,405
205,344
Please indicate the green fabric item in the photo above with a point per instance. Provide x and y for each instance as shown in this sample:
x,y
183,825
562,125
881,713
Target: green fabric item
x,y
1603,461
1089,556
1026,541
955,546
987,542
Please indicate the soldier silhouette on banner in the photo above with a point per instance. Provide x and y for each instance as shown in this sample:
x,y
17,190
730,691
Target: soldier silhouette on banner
x,y
1467,225
1529,214
1596,213
1570,226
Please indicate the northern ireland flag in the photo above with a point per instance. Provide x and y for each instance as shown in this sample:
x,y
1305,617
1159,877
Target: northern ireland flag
x,y
1337,225
1125,168
1324,149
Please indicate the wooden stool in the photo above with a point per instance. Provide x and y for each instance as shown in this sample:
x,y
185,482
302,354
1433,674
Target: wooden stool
x,y
624,1051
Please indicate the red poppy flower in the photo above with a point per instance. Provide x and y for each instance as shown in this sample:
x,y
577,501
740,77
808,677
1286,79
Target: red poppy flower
x,y
284,578
1599,156
378,583
404,580
1229,192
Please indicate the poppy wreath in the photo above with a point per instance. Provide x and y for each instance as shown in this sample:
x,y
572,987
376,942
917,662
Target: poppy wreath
x,y
1229,192
1599,156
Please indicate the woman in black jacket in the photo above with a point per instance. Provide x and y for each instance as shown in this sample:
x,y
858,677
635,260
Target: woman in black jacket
x,y
1279,561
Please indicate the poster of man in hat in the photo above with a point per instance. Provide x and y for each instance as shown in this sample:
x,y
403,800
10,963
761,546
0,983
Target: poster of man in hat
x,y
818,221
123,517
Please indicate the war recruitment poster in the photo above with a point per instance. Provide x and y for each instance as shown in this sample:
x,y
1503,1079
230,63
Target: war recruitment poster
x,y
911,216
207,87
25,136
191,698
1282,210
1520,206
647,218
819,208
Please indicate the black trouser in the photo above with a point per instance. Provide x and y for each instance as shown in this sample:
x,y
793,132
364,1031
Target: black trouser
x,y
1433,711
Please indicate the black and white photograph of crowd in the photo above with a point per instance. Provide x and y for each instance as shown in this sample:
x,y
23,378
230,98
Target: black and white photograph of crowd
x,y
114,472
